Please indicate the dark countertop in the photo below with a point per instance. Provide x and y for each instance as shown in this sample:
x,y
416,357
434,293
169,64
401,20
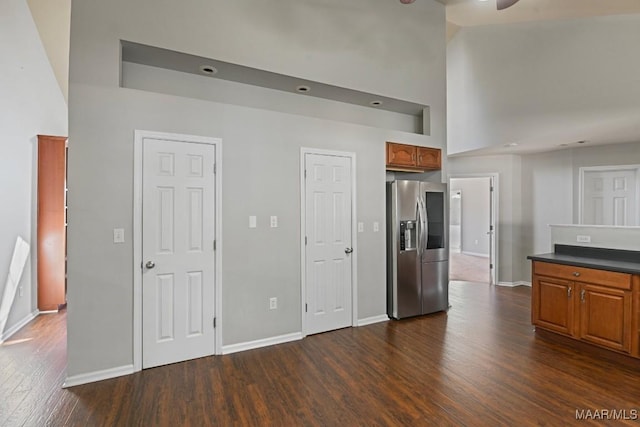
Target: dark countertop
x,y
603,259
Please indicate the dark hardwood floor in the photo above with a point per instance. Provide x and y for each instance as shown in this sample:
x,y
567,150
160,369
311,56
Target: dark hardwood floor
x,y
479,364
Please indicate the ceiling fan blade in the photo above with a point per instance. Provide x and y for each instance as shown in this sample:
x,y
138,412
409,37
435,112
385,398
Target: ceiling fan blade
x,y
503,4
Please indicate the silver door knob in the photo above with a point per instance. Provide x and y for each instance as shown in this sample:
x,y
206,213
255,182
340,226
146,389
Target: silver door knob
x,y
150,264
348,250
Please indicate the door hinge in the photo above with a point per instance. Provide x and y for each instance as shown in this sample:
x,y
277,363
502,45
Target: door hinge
x,y
305,174
491,188
491,228
305,240
214,168
490,265
305,308
214,322
214,245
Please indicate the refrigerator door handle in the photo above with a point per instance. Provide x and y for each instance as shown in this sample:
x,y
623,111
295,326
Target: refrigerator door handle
x,y
422,212
419,226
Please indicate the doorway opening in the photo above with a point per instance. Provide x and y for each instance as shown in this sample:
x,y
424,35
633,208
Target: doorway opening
x,y
472,228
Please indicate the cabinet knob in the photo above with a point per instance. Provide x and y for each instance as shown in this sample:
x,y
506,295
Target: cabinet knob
x,y
576,274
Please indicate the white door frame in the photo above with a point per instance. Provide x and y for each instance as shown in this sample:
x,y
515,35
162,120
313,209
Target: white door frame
x,y
493,215
303,233
584,169
140,136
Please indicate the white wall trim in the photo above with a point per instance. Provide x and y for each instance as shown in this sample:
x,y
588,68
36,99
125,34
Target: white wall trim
x,y
581,172
91,377
374,319
19,325
514,284
475,254
354,233
264,342
139,136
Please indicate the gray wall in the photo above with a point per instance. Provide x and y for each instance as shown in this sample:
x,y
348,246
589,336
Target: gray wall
x,y
329,41
31,104
544,188
509,194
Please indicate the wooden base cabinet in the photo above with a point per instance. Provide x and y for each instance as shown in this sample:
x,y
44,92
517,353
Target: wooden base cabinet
x,y
605,317
596,307
552,301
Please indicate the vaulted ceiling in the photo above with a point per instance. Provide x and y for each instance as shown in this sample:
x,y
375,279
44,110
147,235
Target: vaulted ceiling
x,y
52,18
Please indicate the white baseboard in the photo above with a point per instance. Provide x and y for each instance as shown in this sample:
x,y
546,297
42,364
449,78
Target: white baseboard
x,y
475,254
514,284
15,328
374,319
90,377
250,345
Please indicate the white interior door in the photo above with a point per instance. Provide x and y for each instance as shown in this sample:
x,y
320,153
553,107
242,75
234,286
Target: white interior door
x,y
178,234
610,197
328,223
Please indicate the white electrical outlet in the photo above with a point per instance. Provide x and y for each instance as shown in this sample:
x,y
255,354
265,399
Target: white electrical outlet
x,y
376,227
583,239
273,303
360,227
274,221
118,235
252,221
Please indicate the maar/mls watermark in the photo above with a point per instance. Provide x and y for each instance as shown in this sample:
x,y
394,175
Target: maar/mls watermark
x,y
607,414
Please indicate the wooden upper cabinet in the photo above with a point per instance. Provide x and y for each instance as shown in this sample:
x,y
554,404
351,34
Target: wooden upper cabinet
x,y
429,158
411,158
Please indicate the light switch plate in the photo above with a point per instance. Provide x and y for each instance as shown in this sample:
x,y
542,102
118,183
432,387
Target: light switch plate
x,y
360,227
118,235
274,221
252,221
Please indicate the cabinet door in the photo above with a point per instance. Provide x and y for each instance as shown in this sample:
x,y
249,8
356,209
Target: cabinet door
x,y
552,304
429,158
401,155
605,316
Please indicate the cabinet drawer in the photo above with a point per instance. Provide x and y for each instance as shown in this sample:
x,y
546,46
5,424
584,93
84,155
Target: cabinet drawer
x,y
582,274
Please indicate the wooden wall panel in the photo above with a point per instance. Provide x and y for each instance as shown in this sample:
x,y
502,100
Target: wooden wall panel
x,y
51,222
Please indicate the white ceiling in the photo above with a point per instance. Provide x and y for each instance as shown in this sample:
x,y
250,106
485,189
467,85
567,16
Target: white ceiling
x,y
467,13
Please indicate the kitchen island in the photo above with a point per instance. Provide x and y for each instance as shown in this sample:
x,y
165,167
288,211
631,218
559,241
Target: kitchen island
x,y
589,294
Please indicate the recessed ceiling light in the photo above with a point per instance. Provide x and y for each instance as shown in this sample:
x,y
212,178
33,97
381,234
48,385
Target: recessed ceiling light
x,y
580,142
564,145
208,69
511,144
303,88
375,103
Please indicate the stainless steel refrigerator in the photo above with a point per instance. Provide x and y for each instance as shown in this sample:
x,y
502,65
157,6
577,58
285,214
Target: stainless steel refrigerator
x,y
417,248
